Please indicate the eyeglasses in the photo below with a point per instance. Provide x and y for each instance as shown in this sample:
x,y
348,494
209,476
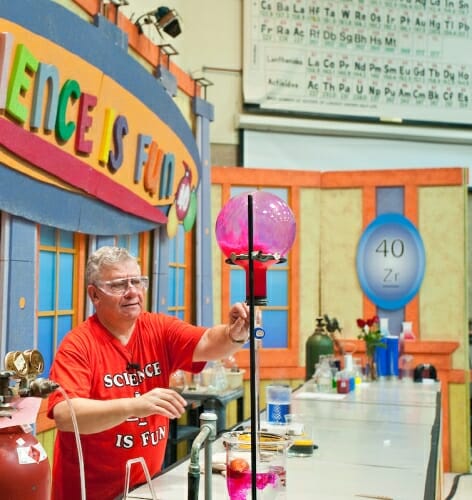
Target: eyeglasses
x,y
121,285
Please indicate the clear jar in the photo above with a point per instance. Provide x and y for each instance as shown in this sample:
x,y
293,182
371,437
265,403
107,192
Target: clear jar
x,y
324,376
219,380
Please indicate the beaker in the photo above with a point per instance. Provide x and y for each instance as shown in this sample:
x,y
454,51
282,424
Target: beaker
x,y
270,465
406,367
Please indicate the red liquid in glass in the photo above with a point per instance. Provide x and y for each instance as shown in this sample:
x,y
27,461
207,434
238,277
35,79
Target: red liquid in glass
x,y
239,483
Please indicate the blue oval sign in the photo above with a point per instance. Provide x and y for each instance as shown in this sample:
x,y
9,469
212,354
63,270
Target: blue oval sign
x,y
390,261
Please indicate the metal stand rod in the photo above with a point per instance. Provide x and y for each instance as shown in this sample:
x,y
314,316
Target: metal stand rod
x,y
257,350
252,351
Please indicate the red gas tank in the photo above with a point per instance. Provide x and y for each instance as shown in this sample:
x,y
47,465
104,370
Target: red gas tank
x,y
25,472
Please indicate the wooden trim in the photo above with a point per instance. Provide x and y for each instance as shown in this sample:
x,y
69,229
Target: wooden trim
x,y
262,176
43,423
348,179
412,309
411,202
189,242
294,283
145,252
369,209
381,178
81,247
91,7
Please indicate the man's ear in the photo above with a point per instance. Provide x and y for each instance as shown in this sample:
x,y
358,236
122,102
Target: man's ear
x,y
92,293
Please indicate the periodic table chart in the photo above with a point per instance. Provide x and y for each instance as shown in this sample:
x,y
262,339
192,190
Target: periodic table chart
x,y
392,60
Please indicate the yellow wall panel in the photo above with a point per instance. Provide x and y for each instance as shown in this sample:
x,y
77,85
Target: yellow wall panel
x,y
341,227
309,234
459,421
443,301
47,440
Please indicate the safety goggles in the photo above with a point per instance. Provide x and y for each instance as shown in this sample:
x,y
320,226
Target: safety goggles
x,y
120,286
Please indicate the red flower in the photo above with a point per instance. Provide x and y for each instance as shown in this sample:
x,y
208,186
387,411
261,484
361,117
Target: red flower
x,y
372,320
361,323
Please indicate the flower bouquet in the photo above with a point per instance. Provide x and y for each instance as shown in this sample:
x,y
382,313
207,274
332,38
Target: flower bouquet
x,y
372,336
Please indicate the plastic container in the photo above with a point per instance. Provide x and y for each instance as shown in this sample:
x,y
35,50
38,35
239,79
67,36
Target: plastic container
x,y
234,378
381,360
392,355
278,398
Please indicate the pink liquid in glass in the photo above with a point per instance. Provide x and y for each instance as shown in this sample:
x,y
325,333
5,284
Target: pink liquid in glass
x,y
271,482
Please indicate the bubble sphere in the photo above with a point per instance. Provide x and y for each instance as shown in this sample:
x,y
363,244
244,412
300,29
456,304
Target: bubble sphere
x,y
274,225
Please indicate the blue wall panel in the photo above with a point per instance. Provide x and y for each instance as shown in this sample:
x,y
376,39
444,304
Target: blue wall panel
x,y
391,200
21,272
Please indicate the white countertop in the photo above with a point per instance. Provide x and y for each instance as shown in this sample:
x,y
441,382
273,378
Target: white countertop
x,y
375,441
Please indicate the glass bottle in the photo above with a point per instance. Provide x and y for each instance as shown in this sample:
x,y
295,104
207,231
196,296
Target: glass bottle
x,y
407,330
324,375
219,380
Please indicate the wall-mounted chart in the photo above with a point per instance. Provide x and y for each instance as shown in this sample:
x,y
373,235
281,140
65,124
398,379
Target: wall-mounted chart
x,y
393,60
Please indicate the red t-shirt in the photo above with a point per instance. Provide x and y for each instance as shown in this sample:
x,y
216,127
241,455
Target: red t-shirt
x,y
91,363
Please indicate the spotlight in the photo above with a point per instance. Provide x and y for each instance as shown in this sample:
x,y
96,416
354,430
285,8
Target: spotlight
x,y
163,18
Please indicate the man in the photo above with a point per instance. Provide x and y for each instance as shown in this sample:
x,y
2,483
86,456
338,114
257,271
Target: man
x,y
115,369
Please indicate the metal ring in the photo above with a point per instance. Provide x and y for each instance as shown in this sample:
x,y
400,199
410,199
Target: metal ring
x,y
259,333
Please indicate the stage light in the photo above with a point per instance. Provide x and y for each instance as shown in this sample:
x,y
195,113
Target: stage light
x,y
163,19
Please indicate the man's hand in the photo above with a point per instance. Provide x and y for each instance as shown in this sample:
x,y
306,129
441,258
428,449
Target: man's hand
x,y
165,402
238,326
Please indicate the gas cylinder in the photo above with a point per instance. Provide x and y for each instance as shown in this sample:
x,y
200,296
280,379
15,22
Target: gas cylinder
x,y
25,470
318,343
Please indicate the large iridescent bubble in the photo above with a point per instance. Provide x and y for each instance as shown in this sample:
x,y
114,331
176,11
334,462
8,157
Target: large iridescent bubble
x,y
273,235
274,225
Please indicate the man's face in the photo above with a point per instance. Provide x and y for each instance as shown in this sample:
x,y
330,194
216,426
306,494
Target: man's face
x,y
113,294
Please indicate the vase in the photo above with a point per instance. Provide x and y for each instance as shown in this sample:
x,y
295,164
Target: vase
x,y
371,366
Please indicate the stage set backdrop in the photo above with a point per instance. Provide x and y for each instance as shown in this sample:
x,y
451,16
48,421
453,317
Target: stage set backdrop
x,y
338,215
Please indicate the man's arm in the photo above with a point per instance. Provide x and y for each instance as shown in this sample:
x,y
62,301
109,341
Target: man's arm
x,y
97,416
221,341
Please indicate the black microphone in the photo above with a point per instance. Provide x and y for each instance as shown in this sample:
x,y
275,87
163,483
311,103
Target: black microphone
x,y
132,366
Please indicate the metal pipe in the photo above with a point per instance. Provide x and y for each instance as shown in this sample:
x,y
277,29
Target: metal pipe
x,y
205,437
252,350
